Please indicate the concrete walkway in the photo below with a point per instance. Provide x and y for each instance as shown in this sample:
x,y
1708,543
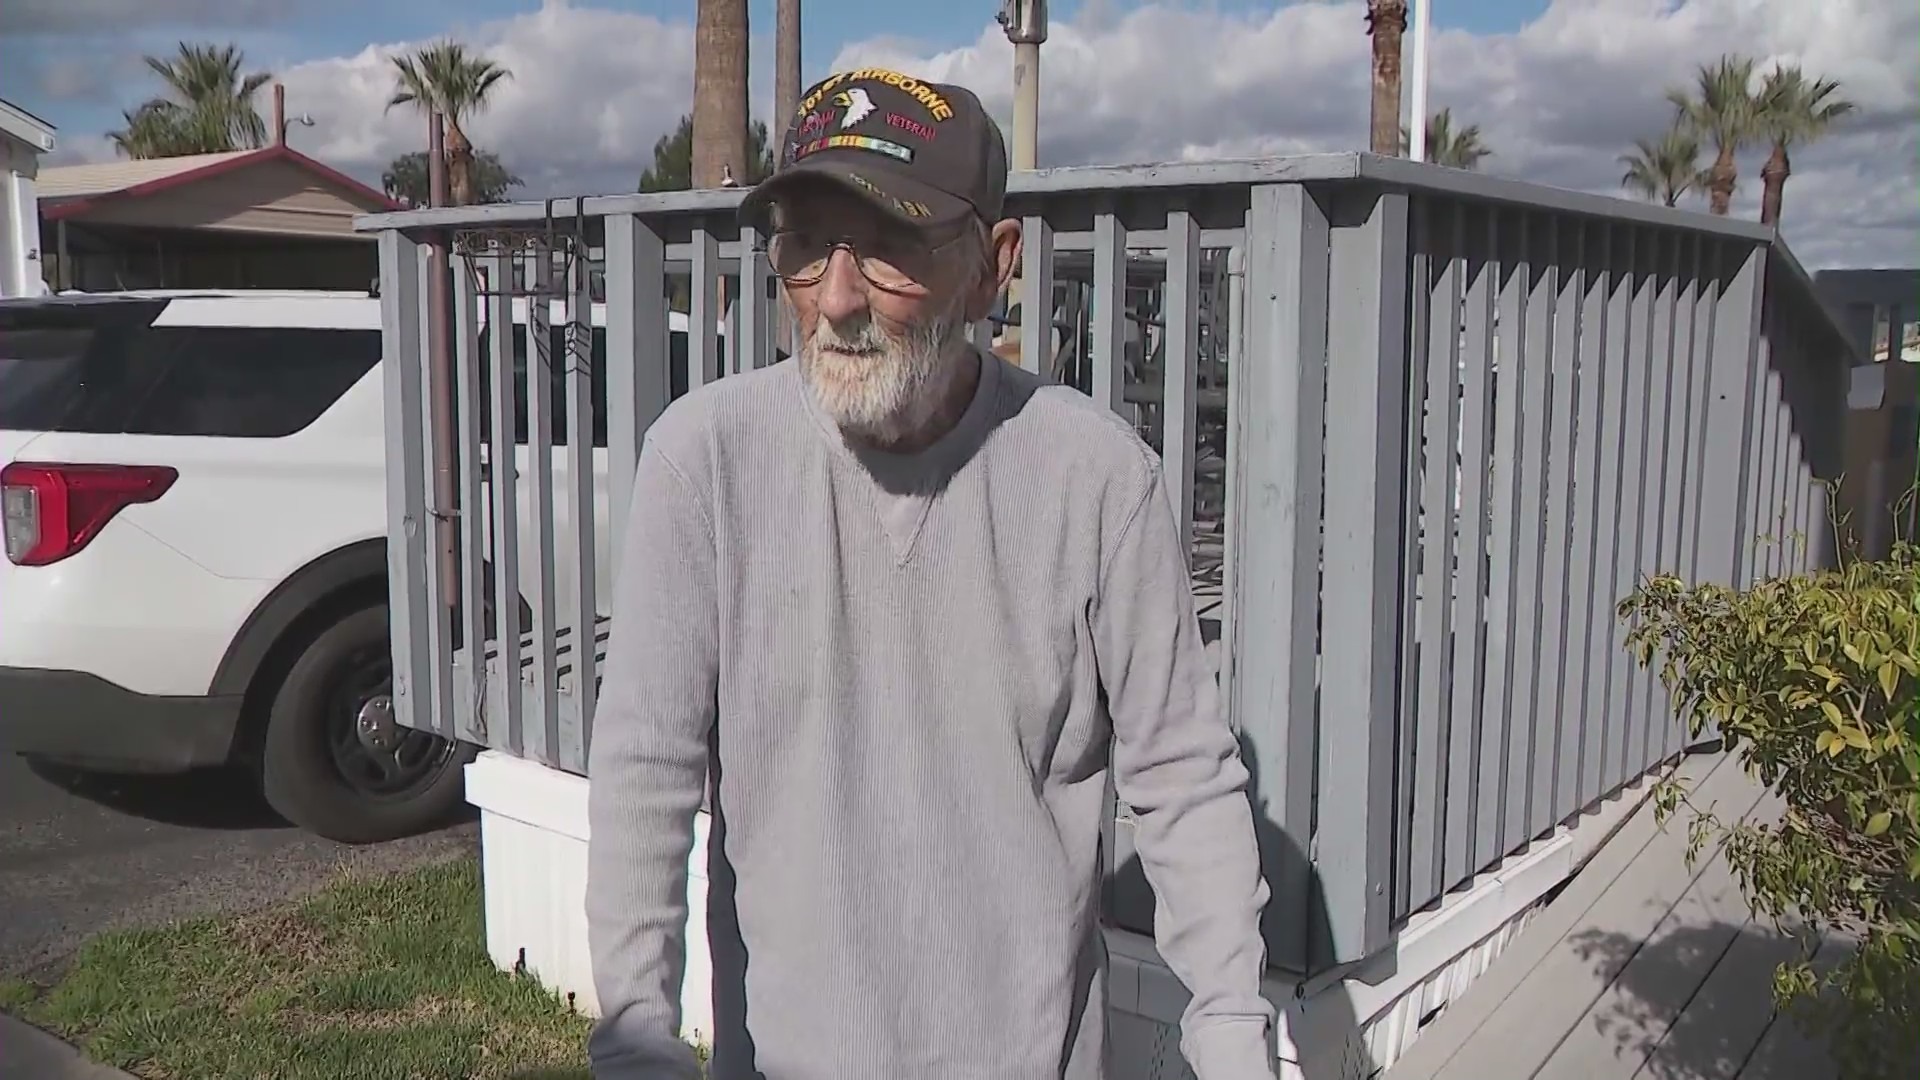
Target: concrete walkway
x,y
27,1053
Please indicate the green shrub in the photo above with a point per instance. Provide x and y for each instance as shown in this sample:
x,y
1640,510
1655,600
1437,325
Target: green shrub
x,y
1813,683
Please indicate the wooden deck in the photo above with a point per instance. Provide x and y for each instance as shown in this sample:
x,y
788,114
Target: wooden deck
x,y
1641,969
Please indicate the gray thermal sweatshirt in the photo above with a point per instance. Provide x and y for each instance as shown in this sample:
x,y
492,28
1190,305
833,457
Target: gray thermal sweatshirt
x,y
913,668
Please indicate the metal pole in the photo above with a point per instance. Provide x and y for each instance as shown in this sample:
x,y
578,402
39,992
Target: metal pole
x,y
1026,105
440,365
1025,22
1422,37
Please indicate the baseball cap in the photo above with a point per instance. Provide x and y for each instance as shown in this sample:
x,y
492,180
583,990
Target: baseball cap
x,y
926,154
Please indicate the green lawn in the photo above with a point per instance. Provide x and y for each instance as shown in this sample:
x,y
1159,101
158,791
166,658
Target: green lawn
x,y
373,978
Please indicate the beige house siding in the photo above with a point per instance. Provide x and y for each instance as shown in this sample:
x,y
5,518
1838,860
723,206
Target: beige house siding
x,y
273,197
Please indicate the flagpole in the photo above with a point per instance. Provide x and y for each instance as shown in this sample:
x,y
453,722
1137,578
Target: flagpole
x,y
1422,37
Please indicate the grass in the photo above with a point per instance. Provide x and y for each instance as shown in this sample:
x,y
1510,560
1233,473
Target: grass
x,y
373,978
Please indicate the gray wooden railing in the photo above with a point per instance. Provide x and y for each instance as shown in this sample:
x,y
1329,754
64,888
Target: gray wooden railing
x,y
1461,418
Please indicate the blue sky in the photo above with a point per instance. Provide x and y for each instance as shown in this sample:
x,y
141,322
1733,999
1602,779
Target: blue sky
x,y
79,72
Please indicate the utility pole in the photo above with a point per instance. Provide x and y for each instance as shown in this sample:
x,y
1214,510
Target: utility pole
x,y
1025,22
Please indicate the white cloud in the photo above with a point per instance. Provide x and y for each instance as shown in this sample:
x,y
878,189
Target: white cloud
x,y
1558,100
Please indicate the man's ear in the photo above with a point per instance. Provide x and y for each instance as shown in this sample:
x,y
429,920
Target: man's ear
x,y
1004,244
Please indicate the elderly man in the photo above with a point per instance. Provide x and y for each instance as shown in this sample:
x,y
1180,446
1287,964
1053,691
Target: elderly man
x,y
906,603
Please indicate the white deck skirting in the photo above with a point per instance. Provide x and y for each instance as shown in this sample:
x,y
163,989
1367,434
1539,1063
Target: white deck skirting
x,y
533,851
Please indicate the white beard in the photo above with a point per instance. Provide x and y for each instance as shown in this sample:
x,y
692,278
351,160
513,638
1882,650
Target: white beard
x,y
878,387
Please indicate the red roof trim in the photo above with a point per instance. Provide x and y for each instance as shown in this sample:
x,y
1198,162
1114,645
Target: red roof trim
x,y
78,207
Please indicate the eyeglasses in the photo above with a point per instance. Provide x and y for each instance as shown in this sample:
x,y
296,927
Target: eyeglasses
x,y
897,262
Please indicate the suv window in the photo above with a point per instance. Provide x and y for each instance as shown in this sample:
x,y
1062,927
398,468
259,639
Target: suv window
x,y
557,380
97,372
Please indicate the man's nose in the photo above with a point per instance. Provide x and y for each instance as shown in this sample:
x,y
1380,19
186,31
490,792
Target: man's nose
x,y
843,291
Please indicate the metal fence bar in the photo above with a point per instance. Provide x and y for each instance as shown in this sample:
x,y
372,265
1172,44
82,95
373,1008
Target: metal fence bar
x,y
755,308
1504,746
1664,417
1109,311
435,606
470,413
1583,328
402,319
703,311
1180,365
1728,444
1407,790
1580,768
1602,729
1367,291
1276,539
543,726
1526,314
1625,724
1479,374
1036,295
1556,726
582,510
504,677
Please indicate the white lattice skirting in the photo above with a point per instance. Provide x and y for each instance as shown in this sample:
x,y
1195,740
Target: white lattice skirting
x,y
533,829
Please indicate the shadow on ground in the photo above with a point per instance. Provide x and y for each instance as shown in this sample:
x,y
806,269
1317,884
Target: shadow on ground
x,y
1728,1028
202,799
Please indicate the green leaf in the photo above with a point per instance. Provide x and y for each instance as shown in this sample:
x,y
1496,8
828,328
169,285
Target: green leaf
x,y
1834,715
1889,679
1879,823
1856,738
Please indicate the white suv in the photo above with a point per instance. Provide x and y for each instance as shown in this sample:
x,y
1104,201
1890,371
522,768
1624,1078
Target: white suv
x,y
196,574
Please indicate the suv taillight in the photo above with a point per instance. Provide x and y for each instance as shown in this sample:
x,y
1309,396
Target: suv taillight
x,y
53,511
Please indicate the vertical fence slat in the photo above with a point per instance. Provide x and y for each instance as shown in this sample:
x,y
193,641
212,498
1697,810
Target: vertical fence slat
x,y
409,531
755,307
1527,314
1583,352
1235,499
504,679
1036,296
1630,475
1362,566
1599,397
583,516
703,311
1469,845
434,603
1419,292
1433,709
543,727
1727,449
1109,311
1667,374
470,407
1689,337
1555,724
637,353
1276,538
1179,399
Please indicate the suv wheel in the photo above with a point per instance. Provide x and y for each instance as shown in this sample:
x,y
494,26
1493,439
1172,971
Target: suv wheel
x,y
335,763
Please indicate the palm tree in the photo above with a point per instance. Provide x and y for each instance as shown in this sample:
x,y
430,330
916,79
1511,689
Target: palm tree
x,y
1722,112
786,64
719,92
1386,25
1462,149
447,79
1666,168
208,110
1791,109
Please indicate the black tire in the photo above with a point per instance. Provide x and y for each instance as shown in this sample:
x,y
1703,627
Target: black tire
x,y
315,770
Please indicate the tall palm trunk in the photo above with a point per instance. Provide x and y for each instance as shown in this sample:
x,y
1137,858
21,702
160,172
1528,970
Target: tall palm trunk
x,y
786,68
1721,179
1386,25
1773,181
719,92
459,165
